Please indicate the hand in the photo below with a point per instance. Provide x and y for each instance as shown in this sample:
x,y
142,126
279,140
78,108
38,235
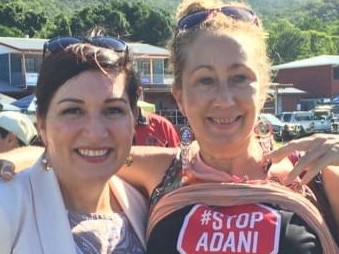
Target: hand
x,y
6,170
317,152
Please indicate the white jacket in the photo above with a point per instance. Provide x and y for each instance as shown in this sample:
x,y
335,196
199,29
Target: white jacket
x,y
33,218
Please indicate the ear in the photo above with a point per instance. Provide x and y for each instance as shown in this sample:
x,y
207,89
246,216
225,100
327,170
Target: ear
x,y
177,94
139,92
41,126
11,140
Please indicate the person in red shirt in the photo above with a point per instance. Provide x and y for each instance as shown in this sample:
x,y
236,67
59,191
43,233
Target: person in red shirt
x,y
154,130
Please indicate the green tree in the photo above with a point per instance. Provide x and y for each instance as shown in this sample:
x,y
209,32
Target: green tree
x,y
10,32
149,25
32,22
321,43
286,42
59,26
86,19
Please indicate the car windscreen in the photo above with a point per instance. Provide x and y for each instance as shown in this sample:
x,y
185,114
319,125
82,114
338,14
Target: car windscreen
x,y
286,117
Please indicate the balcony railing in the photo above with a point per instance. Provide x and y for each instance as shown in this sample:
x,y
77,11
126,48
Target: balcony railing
x,y
157,79
174,115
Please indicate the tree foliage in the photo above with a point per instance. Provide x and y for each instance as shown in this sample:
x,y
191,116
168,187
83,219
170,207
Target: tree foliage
x,y
296,28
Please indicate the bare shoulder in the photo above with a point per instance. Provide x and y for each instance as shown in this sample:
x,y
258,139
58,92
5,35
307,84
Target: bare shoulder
x,y
147,166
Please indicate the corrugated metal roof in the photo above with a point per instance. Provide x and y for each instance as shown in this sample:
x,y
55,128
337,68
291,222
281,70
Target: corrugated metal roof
x,y
23,44
28,44
310,62
147,49
287,90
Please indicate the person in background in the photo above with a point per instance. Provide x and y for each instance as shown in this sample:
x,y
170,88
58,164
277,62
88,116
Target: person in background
x,y
16,130
152,129
70,200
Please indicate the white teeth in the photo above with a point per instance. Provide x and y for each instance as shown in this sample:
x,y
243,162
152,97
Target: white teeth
x,y
223,120
93,153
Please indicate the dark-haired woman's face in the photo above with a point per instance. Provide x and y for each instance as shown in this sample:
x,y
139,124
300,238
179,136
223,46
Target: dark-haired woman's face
x,y
89,127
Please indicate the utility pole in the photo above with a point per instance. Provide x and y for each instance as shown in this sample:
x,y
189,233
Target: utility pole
x,y
275,87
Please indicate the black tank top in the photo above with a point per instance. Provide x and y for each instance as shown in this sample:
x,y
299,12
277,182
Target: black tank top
x,y
254,228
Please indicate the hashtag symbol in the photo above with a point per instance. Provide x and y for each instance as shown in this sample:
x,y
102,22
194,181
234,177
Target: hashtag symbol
x,y
205,217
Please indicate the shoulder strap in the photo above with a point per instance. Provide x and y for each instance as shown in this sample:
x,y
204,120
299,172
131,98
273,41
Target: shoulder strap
x,y
316,185
230,194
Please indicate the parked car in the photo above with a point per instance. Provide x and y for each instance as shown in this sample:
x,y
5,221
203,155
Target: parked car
x,y
299,123
277,125
322,120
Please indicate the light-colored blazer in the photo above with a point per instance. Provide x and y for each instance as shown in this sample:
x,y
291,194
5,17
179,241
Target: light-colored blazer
x,y
33,218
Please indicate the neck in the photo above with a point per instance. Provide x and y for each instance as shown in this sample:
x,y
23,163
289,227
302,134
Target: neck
x,y
98,200
240,162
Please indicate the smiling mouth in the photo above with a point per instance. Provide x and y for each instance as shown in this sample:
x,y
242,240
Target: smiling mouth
x,y
228,120
93,153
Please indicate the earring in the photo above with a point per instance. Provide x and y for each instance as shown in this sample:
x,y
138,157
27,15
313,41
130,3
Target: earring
x,y
129,160
263,132
186,138
44,162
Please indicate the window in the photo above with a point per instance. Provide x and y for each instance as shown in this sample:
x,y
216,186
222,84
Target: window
x,y
144,70
30,64
336,73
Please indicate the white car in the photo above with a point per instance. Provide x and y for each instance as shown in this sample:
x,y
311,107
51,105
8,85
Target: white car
x,y
277,125
300,123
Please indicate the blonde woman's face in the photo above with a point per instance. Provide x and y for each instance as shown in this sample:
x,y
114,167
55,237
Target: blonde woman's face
x,y
220,94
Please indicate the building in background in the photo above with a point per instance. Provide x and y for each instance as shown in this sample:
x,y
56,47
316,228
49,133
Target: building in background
x,y
20,61
318,77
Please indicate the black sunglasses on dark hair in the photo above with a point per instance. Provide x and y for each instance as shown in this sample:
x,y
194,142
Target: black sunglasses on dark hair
x,y
235,12
60,43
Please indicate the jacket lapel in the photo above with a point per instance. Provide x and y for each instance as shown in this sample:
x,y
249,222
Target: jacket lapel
x,y
51,217
133,204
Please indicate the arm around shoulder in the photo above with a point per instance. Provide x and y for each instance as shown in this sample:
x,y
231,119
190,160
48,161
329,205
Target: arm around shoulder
x,y
147,167
22,157
331,180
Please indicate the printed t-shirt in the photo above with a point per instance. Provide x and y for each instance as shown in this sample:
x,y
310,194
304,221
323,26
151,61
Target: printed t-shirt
x,y
257,228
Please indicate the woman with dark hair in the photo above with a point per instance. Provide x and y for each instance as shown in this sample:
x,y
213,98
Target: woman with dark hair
x,y
70,201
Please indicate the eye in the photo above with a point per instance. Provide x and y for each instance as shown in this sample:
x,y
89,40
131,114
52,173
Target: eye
x,y
206,81
240,79
114,111
72,111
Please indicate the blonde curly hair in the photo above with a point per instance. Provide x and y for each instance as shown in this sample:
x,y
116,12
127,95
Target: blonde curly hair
x,y
219,24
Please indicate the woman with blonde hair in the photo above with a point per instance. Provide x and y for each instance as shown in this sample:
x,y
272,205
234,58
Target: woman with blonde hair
x,y
222,194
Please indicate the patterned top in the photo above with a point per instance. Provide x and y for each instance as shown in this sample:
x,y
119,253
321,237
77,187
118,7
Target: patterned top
x,y
101,234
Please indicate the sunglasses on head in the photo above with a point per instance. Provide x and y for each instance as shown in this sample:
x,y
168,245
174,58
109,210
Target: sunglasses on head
x,y
60,43
235,12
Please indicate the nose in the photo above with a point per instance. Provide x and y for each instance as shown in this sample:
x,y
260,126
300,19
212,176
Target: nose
x,y
96,127
224,96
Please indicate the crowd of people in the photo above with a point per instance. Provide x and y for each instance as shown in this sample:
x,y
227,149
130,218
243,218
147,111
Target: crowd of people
x,y
221,189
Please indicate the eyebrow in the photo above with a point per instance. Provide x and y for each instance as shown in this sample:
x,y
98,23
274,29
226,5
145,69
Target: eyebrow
x,y
209,67
80,101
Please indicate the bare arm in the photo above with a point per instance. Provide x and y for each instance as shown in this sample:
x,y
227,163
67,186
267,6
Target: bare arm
x,y
331,178
22,157
148,166
319,151
320,154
